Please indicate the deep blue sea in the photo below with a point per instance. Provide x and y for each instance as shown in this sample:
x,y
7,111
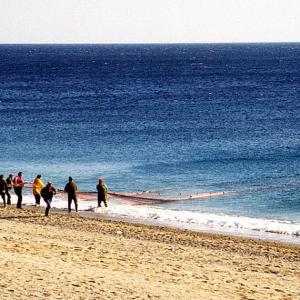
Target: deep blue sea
x,y
173,119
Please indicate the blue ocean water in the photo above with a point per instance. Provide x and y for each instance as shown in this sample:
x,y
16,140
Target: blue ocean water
x,y
178,119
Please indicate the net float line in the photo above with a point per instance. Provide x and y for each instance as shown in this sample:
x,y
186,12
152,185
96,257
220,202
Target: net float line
x,y
140,198
136,197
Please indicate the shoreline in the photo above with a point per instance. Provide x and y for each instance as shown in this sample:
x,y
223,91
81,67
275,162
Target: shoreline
x,y
140,224
227,232
258,228
69,256
267,237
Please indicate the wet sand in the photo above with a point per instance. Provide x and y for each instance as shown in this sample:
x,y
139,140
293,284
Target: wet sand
x,y
74,257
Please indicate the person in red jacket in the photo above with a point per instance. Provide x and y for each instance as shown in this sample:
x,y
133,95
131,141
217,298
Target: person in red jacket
x,y
18,187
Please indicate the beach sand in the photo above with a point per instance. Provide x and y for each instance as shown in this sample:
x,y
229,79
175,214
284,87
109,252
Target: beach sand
x,y
72,257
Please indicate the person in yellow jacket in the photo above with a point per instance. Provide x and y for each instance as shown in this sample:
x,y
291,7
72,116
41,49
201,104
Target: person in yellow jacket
x,y
37,186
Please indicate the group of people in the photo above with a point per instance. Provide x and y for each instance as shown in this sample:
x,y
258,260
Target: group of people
x,y
47,192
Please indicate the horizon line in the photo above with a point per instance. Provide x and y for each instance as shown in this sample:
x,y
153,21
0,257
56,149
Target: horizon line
x,y
146,43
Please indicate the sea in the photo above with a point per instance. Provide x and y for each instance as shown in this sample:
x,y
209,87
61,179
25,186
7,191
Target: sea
x,y
167,120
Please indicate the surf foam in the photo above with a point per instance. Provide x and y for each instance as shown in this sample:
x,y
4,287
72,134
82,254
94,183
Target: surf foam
x,y
182,218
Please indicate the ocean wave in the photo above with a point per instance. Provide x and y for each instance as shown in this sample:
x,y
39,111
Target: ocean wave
x,y
219,222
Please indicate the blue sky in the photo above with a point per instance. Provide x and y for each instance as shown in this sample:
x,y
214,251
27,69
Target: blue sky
x,y
144,21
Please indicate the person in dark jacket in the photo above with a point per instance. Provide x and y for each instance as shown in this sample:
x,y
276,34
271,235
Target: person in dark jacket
x,y
3,188
102,192
47,193
71,189
10,184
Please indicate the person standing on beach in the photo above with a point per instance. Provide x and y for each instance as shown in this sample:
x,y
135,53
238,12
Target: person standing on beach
x,y
18,187
3,187
102,192
9,186
37,186
47,193
71,189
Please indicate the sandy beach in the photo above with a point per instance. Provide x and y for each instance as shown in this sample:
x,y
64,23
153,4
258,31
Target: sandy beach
x,y
72,257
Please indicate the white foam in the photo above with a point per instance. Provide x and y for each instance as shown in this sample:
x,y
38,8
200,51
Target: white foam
x,y
215,221
184,219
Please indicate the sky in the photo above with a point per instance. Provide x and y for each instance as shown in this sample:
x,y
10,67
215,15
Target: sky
x,y
149,21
